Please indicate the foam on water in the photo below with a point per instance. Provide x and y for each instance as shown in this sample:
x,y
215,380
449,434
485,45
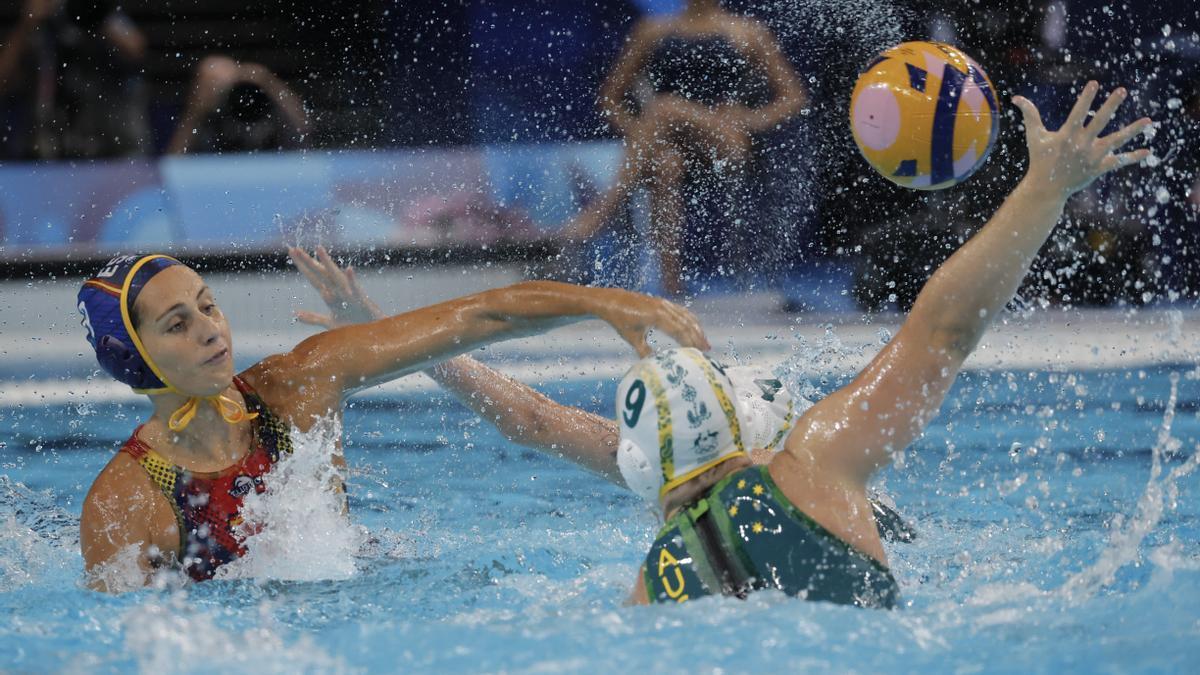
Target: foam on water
x,y
170,635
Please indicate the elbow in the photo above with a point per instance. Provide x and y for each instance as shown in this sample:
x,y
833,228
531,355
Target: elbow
x,y
523,427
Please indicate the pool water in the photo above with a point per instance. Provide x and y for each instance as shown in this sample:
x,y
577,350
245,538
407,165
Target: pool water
x,y
1043,545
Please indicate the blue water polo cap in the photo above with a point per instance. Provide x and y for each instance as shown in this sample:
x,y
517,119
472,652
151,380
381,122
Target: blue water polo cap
x,y
106,303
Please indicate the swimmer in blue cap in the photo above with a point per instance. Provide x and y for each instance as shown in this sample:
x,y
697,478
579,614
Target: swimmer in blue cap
x,y
172,495
802,521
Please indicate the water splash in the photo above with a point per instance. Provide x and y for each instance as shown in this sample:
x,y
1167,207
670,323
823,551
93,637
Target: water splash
x,y
1125,536
1125,539
816,365
298,529
36,535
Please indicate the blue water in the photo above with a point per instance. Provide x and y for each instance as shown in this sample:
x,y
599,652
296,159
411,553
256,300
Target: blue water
x,y
486,557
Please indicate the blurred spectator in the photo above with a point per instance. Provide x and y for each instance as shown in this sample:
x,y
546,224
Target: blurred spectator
x,y
239,107
74,67
690,93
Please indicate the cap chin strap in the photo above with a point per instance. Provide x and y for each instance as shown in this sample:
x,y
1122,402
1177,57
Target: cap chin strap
x,y
230,410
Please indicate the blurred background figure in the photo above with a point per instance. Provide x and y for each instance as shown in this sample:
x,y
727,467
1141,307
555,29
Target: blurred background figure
x,y
73,68
239,107
722,186
689,93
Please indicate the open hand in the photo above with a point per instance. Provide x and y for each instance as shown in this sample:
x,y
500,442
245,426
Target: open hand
x,y
1069,159
347,301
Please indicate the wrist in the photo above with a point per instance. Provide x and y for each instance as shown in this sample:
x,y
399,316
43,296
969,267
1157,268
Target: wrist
x,y
1042,189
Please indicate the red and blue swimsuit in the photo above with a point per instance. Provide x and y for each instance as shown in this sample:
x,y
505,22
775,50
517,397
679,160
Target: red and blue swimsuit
x,y
208,505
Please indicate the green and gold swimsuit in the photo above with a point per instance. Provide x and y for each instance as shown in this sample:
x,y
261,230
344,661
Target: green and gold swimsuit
x,y
745,535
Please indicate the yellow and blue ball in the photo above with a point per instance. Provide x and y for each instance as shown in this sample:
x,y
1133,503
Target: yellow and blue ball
x,y
925,115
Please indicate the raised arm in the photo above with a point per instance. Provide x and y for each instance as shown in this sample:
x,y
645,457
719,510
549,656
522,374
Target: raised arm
x,y
362,355
854,430
524,415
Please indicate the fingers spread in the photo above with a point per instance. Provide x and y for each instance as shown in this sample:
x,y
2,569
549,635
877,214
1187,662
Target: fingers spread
x,y
1113,162
1106,112
309,268
1082,105
334,274
1122,136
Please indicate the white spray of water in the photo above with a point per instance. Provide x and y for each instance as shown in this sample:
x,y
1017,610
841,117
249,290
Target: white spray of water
x,y
1125,535
167,637
1125,539
36,535
298,529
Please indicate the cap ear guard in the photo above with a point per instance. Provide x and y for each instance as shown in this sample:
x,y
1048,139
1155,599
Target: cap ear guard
x,y
638,471
122,362
105,302
765,407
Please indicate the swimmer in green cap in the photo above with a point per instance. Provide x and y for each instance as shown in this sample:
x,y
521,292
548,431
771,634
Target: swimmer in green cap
x,y
802,522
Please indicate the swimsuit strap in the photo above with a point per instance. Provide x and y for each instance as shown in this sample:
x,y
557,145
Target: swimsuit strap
x,y
161,471
271,437
270,431
164,473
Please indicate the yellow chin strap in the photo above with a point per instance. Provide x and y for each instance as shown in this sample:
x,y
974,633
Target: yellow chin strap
x,y
230,410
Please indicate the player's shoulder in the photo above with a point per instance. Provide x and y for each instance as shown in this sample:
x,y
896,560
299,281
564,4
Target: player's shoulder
x,y
121,480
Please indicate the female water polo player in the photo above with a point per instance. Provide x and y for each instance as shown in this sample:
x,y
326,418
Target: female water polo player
x,y
172,495
802,523
527,417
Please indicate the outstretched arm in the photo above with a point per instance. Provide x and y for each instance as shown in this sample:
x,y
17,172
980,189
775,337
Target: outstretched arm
x,y
524,415
528,417
854,431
